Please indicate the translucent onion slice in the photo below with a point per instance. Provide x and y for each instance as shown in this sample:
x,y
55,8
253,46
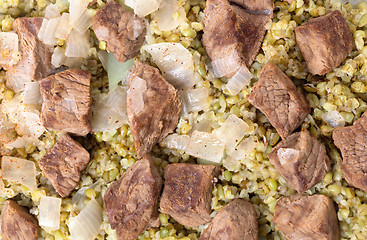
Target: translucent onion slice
x,y
9,49
32,94
52,11
23,141
242,150
77,45
286,155
49,212
232,164
195,100
76,10
85,22
87,224
58,57
49,34
242,78
64,28
175,62
170,15
20,171
333,119
143,8
42,30
175,141
226,65
232,131
206,146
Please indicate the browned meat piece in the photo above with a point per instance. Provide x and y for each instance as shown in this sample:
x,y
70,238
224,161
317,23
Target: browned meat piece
x,y
35,63
132,201
324,42
187,192
67,102
64,163
301,160
306,217
236,221
17,223
234,42
257,6
123,31
153,107
277,97
352,142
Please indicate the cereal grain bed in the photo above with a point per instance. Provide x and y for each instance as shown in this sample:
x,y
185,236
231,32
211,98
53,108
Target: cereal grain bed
x,y
253,177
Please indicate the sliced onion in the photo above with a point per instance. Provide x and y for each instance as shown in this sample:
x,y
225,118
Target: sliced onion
x,y
64,28
175,141
242,78
77,45
226,65
73,61
286,155
76,10
143,8
85,22
165,15
58,57
175,62
87,224
202,126
9,49
20,171
52,11
110,111
49,213
206,146
32,94
195,100
137,87
23,141
42,30
79,197
333,119
243,149
232,164
232,131
49,34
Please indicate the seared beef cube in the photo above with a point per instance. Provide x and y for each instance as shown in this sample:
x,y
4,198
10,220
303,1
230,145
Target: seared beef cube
x,y
67,102
153,107
235,42
256,6
17,223
123,31
236,221
64,163
324,42
301,160
277,97
187,192
306,217
352,142
132,201
35,63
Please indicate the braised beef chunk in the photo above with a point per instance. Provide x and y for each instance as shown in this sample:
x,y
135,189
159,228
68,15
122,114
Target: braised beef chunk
x,y
301,160
277,97
352,142
132,201
324,42
153,107
17,223
306,217
187,192
236,221
236,40
256,6
35,63
123,31
64,163
67,102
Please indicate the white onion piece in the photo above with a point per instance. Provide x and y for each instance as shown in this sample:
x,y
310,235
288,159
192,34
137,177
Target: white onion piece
x,y
58,57
49,212
52,11
165,15
206,146
226,65
32,94
20,171
175,141
232,131
85,22
143,8
110,111
202,126
175,62
49,34
87,224
42,30
77,45
9,49
23,141
243,149
137,87
286,155
64,28
231,164
73,61
196,99
79,197
242,78
76,10
333,119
